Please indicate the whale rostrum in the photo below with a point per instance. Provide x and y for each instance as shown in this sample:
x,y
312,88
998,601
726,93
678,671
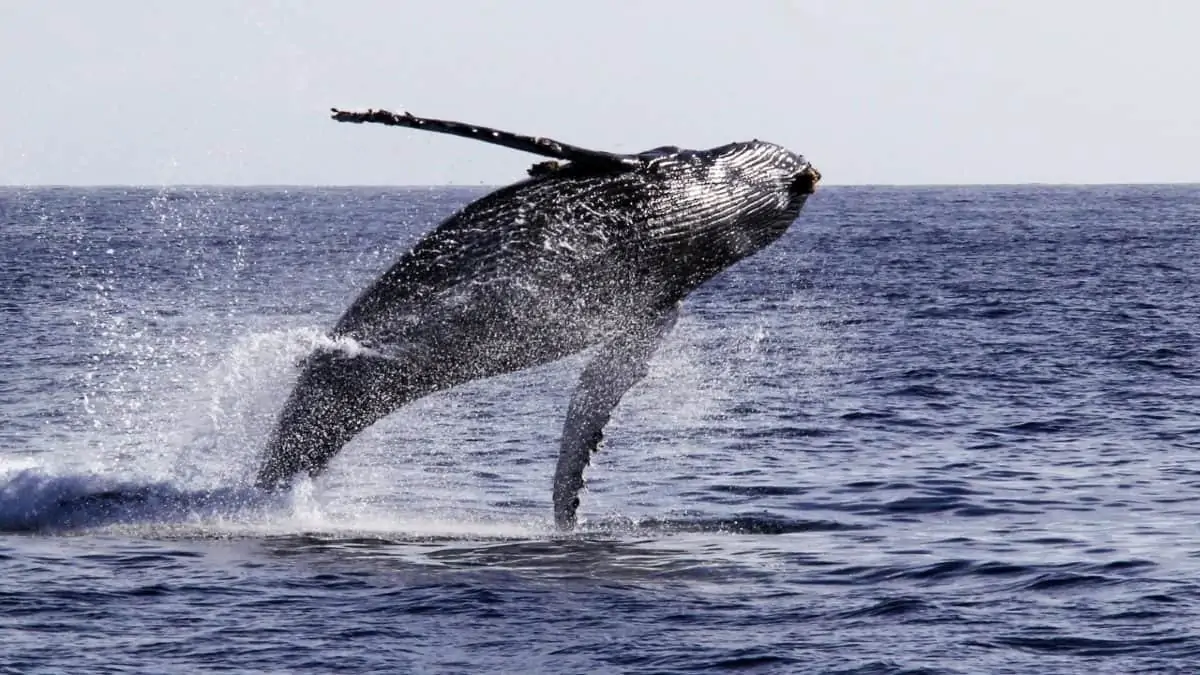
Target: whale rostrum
x,y
593,249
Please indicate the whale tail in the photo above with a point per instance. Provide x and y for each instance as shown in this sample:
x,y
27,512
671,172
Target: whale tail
x,y
337,396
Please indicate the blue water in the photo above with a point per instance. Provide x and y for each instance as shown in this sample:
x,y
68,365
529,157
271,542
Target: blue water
x,y
930,431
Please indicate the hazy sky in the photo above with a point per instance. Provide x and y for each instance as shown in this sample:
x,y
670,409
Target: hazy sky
x,y
883,91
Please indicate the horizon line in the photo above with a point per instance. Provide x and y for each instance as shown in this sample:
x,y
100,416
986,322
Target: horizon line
x,y
427,186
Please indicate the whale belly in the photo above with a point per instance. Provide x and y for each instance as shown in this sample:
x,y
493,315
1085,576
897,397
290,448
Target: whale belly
x,y
519,278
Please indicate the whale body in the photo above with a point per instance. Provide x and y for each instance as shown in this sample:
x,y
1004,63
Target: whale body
x,y
592,249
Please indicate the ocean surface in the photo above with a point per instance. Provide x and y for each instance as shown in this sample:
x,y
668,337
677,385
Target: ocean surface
x,y
931,430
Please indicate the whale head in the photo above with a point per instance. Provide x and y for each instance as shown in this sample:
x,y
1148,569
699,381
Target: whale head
x,y
723,204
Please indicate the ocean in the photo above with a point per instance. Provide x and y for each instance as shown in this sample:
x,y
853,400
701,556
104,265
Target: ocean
x,y
931,430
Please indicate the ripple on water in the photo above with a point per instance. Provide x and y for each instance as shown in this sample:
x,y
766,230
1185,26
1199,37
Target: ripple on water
x,y
931,431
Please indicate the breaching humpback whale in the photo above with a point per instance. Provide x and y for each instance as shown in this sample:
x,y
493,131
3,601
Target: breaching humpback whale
x,y
593,249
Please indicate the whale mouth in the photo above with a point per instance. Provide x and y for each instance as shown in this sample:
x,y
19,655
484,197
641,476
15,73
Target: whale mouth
x,y
806,181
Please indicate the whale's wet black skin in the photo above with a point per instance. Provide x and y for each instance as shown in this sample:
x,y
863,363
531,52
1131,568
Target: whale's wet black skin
x,y
595,249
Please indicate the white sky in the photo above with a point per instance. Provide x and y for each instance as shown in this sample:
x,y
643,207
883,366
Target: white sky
x,y
872,91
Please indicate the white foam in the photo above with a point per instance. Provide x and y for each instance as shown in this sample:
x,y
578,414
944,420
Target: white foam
x,y
32,500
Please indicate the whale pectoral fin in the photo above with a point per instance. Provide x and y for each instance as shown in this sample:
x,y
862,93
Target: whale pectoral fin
x,y
620,364
545,147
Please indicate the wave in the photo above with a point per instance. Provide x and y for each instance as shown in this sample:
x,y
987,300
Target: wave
x,y
36,502
32,501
